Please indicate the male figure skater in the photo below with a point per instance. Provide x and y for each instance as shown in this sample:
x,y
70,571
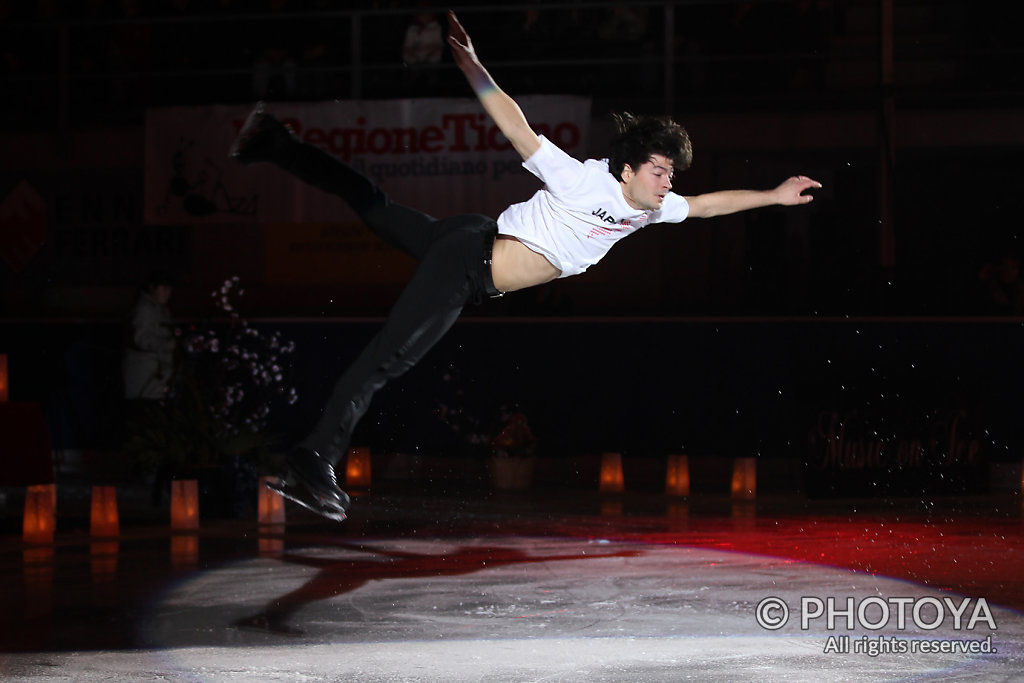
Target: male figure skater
x,y
568,225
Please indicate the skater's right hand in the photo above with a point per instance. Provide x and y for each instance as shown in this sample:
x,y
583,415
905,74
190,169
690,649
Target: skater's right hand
x,y
462,46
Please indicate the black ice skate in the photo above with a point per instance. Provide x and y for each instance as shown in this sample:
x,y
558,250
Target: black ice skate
x,y
311,483
257,137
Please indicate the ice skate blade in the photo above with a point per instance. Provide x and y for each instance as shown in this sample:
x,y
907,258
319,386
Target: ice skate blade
x,y
304,498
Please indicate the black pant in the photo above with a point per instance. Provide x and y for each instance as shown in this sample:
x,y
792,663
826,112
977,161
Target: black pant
x,y
453,269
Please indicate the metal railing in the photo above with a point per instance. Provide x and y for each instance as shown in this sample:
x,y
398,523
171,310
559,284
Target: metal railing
x,y
674,57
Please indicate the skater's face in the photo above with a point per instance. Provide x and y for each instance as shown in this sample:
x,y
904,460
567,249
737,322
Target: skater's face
x,y
645,187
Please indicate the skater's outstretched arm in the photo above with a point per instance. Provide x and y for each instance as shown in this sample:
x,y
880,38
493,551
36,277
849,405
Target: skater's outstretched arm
x,y
502,109
788,193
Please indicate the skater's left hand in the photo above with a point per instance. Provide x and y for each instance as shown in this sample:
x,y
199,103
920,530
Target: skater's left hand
x,y
790,191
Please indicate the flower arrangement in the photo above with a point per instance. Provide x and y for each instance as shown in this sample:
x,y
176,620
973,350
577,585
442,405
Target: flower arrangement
x,y
245,369
227,377
515,439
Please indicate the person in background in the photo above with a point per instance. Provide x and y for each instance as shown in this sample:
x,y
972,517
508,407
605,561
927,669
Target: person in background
x,y
148,363
421,50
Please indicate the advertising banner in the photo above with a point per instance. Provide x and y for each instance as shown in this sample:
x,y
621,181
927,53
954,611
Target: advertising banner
x,y
439,156
442,156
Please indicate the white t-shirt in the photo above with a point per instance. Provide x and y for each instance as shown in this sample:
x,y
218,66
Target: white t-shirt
x,y
580,212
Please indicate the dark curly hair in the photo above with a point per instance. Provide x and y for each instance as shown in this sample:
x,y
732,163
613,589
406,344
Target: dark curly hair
x,y
641,136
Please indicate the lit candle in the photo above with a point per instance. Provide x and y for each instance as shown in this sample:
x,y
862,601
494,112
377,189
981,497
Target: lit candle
x,y
611,473
357,467
677,476
103,517
40,513
270,506
744,478
185,504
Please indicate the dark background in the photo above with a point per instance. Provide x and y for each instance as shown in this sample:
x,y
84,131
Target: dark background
x,y
730,337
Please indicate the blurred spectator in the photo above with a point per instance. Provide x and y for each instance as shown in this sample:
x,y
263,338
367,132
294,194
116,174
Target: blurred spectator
x,y
625,27
1004,286
537,37
320,52
148,362
624,23
274,61
131,45
421,50
422,38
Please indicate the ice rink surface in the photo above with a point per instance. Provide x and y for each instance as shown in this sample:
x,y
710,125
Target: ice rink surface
x,y
490,590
